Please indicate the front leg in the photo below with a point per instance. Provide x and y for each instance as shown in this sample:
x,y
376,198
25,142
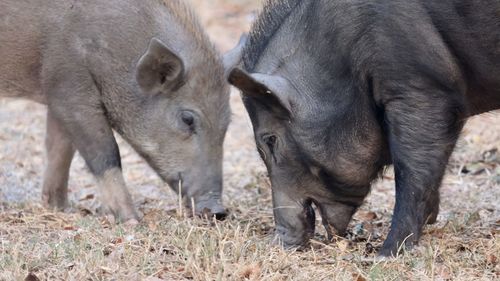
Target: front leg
x,y
423,127
85,121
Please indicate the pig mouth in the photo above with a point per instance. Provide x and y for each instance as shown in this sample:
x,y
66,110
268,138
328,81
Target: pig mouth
x,y
336,217
298,236
309,220
205,206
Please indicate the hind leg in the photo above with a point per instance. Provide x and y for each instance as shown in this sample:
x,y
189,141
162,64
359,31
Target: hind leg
x,y
60,152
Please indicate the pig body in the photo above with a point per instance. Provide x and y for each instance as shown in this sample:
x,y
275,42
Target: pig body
x,y
137,67
338,89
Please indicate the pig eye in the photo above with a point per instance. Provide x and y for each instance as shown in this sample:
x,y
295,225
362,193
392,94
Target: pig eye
x,y
270,141
188,119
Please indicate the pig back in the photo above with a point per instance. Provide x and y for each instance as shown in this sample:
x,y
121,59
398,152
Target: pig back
x,y
41,40
22,24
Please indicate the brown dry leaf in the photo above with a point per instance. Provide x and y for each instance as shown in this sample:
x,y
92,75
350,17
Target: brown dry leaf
x,y
343,245
491,259
152,226
31,277
250,272
116,241
50,218
358,277
437,232
105,222
444,273
69,227
368,216
16,221
77,237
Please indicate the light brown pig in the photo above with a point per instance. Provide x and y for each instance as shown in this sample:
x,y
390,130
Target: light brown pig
x,y
144,68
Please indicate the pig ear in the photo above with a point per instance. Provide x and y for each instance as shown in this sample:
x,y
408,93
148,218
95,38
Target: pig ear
x,y
233,57
159,69
272,89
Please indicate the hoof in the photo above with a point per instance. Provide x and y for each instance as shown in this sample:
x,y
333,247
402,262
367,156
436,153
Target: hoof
x,y
131,223
55,203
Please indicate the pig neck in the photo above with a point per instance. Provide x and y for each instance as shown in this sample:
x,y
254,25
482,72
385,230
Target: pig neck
x,y
336,99
125,116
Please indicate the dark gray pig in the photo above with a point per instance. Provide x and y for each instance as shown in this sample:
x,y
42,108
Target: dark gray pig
x,y
144,68
338,89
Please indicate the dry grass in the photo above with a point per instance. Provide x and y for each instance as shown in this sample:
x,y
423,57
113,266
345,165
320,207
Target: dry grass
x,y
464,245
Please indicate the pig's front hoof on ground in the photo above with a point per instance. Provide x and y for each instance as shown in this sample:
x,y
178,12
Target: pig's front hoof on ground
x,y
130,222
121,214
432,219
388,252
126,216
58,202
432,216
402,236
395,247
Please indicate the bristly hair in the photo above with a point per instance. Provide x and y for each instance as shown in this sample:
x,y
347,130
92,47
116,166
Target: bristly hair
x,y
185,15
269,21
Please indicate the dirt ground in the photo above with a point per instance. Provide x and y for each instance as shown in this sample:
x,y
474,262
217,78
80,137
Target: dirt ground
x,y
170,245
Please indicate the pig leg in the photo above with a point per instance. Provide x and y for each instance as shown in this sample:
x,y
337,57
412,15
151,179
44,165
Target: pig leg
x,y
295,219
95,142
423,130
432,208
83,117
60,152
115,196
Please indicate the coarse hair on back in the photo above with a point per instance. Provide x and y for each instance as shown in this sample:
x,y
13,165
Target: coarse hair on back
x,y
187,18
269,21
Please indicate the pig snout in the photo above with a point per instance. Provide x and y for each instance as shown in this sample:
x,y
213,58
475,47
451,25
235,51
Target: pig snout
x,y
205,200
210,206
294,229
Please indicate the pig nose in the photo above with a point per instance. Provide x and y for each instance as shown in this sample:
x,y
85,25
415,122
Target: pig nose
x,y
218,212
288,239
220,216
